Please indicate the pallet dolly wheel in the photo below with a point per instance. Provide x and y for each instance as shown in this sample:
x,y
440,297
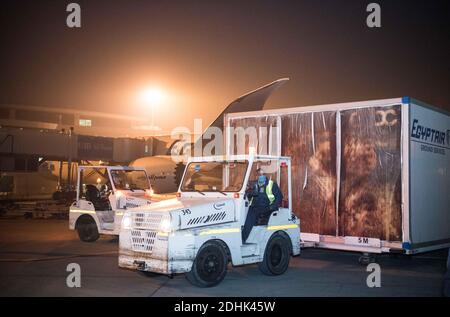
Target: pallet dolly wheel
x,y
366,259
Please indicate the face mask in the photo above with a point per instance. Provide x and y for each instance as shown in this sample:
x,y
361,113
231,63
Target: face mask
x,y
262,180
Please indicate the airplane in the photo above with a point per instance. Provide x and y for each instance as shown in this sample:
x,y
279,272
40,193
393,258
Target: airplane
x,y
165,172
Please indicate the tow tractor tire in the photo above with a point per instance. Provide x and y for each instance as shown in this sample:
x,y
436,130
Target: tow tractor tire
x,y
210,265
276,256
87,229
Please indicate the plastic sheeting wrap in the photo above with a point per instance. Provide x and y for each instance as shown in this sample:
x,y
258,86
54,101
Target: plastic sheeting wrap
x,y
310,140
366,164
370,187
264,128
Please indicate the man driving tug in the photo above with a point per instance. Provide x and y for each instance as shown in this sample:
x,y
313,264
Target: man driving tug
x,y
265,197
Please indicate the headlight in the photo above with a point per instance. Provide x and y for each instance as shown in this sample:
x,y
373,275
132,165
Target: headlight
x,y
126,221
166,224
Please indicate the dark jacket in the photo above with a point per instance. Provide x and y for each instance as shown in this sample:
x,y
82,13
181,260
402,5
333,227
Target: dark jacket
x,y
259,197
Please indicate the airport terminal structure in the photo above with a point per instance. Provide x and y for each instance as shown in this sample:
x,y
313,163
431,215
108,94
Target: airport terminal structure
x,y
41,147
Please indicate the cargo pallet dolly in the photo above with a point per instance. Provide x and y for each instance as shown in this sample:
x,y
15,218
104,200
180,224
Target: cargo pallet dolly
x,y
365,258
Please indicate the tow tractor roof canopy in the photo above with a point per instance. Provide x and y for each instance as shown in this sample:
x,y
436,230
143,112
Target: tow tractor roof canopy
x,y
111,168
218,158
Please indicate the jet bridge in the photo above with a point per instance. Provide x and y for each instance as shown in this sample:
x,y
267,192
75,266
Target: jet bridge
x,y
29,145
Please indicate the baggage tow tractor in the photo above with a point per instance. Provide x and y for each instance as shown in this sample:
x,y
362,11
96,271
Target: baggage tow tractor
x,y
103,194
199,231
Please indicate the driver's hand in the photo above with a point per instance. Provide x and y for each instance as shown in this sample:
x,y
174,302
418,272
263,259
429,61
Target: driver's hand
x,y
250,186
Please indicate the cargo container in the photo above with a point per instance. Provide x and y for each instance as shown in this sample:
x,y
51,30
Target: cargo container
x,y
369,176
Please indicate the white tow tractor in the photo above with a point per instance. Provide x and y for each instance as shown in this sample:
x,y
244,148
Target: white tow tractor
x,y
103,194
199,232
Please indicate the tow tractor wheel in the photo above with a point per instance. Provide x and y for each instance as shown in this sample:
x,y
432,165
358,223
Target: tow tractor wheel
x,y
276,256
87,229
210,265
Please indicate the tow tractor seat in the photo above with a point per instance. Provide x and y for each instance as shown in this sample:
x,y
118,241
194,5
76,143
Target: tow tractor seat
x,y
93,195
263,220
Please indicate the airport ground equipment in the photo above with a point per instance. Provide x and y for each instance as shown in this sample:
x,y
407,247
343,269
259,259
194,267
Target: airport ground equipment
x,y
104,193
199,232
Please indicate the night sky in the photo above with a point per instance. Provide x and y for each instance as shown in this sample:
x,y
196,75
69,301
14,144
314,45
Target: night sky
x,y
206,53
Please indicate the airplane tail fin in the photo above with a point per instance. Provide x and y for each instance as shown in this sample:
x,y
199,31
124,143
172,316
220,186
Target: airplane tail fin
x,y
251,101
